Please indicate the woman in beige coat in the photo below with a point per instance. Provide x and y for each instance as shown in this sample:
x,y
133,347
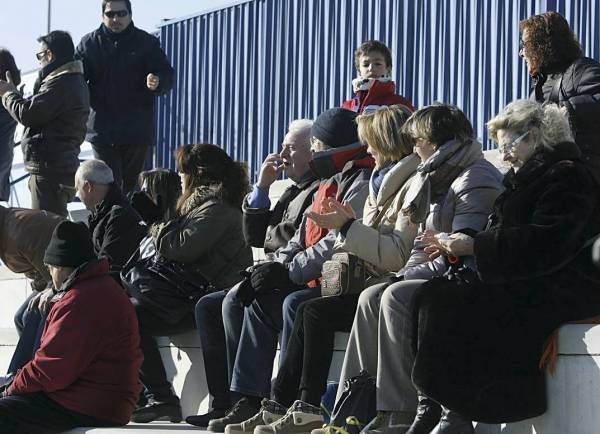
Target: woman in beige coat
x,y
384,242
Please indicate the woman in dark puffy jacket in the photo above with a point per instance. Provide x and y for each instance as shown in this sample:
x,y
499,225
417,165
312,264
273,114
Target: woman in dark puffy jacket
x,y
7,125
206,240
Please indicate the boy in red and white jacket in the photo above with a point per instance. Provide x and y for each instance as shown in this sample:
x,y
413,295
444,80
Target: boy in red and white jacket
x,y
374,86
85,372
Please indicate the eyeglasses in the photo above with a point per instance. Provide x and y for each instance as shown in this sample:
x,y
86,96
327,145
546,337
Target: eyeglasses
x,y
41,54
121,14
505,149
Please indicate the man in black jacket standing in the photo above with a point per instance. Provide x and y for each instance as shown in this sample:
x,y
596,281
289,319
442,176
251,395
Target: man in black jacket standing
x,y
54,118
126,69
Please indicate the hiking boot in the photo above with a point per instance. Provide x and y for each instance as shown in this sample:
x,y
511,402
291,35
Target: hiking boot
x,y
270,411
301,418
156,410
241,410
201,420
389,422
453,423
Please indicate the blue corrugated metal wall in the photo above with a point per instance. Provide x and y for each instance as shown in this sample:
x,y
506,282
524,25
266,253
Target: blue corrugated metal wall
x,y
244,72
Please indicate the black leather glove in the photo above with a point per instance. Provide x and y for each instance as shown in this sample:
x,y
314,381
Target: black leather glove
x,y
146,208
245,292
270,276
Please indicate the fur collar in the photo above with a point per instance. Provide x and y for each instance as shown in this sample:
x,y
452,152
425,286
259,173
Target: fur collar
x,y
202,195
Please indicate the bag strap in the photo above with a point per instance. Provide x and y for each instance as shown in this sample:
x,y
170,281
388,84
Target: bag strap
x,y
383,210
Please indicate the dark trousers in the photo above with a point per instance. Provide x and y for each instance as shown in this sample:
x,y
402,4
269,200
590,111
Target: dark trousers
x,y
303,372
35,413
152,372
209,320
126,162
52,192
30,324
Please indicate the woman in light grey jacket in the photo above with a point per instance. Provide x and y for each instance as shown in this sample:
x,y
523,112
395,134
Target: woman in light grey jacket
x,y
453,191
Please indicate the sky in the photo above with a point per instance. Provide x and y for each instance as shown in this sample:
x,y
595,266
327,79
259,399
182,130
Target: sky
x,y
22,21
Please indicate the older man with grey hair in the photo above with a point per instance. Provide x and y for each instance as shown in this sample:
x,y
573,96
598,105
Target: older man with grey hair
x,y
116,227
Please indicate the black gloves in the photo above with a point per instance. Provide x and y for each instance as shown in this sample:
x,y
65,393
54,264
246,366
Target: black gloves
x,y
270,276
146,208
245,292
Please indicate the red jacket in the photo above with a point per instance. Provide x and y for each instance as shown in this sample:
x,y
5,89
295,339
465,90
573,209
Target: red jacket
x,y
379,94
89,356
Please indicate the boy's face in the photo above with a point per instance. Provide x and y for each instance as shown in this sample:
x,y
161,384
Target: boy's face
x,y
372,65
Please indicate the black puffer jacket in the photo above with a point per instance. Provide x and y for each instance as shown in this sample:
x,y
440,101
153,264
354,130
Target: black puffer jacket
x,y
116,230
578,89
54,119
116,66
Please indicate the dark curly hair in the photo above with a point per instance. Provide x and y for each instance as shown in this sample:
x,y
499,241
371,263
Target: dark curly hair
x,y
209,165
551,45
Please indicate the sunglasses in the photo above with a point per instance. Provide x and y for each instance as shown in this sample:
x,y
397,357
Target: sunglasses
x,y
41,54
121,14
505,149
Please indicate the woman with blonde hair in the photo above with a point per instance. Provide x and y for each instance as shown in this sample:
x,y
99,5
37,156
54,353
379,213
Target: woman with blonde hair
x,y
383,239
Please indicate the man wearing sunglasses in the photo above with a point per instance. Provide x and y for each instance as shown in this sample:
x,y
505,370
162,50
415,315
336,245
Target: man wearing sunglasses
x,y
54,118
126,69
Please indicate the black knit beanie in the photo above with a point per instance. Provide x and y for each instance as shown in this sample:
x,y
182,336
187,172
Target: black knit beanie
x,y
336,127
70,245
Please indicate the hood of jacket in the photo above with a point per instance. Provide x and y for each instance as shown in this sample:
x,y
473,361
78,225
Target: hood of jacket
x,y
87,270
203,195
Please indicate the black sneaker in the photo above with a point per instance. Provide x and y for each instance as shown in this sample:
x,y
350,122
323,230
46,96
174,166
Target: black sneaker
x,y
241,410
202,420
170,411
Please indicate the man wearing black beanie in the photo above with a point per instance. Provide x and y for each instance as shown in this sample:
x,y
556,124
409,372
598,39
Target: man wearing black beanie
x,y
85,372
55,119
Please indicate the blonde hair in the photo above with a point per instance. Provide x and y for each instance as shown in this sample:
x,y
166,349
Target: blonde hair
x,y
547,124
382,130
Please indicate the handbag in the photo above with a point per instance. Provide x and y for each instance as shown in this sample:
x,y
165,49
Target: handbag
x,y
166,288
345,273
356,406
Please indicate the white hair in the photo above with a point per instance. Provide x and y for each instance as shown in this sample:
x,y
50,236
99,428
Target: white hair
x,y
548,123
301,126
94,172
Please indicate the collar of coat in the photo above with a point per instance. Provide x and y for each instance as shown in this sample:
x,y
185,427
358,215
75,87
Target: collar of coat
x,y
327,163
87,270
202,195
540,161
395,178
73,67
114,196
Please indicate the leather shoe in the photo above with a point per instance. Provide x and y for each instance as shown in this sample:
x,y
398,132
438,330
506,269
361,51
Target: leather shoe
x,y
158,410
453,423
428,415
202,420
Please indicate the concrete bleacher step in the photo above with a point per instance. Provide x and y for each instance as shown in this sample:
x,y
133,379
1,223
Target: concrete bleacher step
x,y
149,428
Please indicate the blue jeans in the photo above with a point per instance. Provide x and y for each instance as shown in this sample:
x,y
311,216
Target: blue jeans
x,y
30,324
212,330
270,314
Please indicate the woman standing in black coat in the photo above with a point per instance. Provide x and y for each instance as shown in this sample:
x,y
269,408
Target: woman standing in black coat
x,y
480,335
562,75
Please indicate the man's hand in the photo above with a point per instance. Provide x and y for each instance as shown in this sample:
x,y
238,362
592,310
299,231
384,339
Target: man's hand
x,y
271,276
41,300
8,85
335,214
270,170
152,81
